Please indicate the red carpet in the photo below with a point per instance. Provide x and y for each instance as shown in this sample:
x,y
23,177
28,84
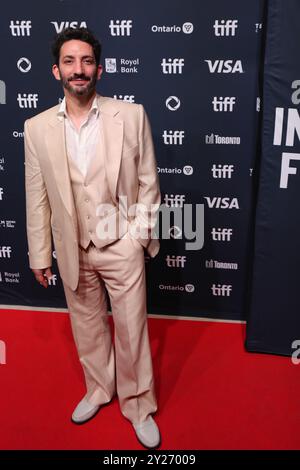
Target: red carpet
x,y
211,393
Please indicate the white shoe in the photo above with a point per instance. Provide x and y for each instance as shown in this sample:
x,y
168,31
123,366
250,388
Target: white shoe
x,y
84,411
147,433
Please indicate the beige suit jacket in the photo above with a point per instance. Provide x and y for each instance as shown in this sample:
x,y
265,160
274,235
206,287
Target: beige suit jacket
x,y
130,170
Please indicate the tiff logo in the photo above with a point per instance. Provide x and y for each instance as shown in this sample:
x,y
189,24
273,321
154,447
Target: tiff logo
x,y
225,28
5,251
2,352
20,28
120,28
2,92
174,201
173,137
52,280
222,171
1,193
223,104
172,65
28,100
221,290
221,234
175,261
128,98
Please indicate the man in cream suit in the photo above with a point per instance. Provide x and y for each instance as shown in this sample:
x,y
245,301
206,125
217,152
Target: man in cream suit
x,y
91,180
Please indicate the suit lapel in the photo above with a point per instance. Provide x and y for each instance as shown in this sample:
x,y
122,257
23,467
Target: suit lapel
x,y
56,145
113,140
112,133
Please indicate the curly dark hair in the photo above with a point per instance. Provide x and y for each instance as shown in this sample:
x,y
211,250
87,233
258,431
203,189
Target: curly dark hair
x,y
83,34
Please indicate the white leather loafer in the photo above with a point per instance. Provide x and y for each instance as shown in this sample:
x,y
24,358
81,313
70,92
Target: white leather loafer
x,y
84,411
147,433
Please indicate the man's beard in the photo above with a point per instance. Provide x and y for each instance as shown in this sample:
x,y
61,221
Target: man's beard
x,y
84,90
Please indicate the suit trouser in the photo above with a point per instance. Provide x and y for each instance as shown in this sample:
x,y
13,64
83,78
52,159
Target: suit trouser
x,y
126,366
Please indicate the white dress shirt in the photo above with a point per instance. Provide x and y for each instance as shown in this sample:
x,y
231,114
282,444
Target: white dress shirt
x,y
81,144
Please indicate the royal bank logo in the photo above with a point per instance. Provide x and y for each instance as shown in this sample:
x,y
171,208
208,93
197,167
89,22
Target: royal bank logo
x,y
61,25
11,278
173,103
173,137
24,64
128,98
222,171
27,100
7,223
224,66
128,66
215,139
186,28
225,27
2,92
221,234
111,65
172,66
223,104
173,261
120,27
20,27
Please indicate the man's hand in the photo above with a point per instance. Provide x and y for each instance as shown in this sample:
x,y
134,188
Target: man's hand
x,y
42,276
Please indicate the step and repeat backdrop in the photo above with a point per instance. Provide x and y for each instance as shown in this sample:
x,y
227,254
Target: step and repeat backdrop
x,y
195,66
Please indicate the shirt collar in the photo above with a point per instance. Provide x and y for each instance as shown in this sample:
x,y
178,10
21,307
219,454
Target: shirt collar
x,y
62,110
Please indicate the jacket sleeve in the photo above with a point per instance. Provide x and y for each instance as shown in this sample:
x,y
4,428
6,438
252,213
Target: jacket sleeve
x,y
38,211
148,200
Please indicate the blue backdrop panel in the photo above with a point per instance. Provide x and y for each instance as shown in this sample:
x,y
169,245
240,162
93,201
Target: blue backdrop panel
x,y
274,321
206,55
